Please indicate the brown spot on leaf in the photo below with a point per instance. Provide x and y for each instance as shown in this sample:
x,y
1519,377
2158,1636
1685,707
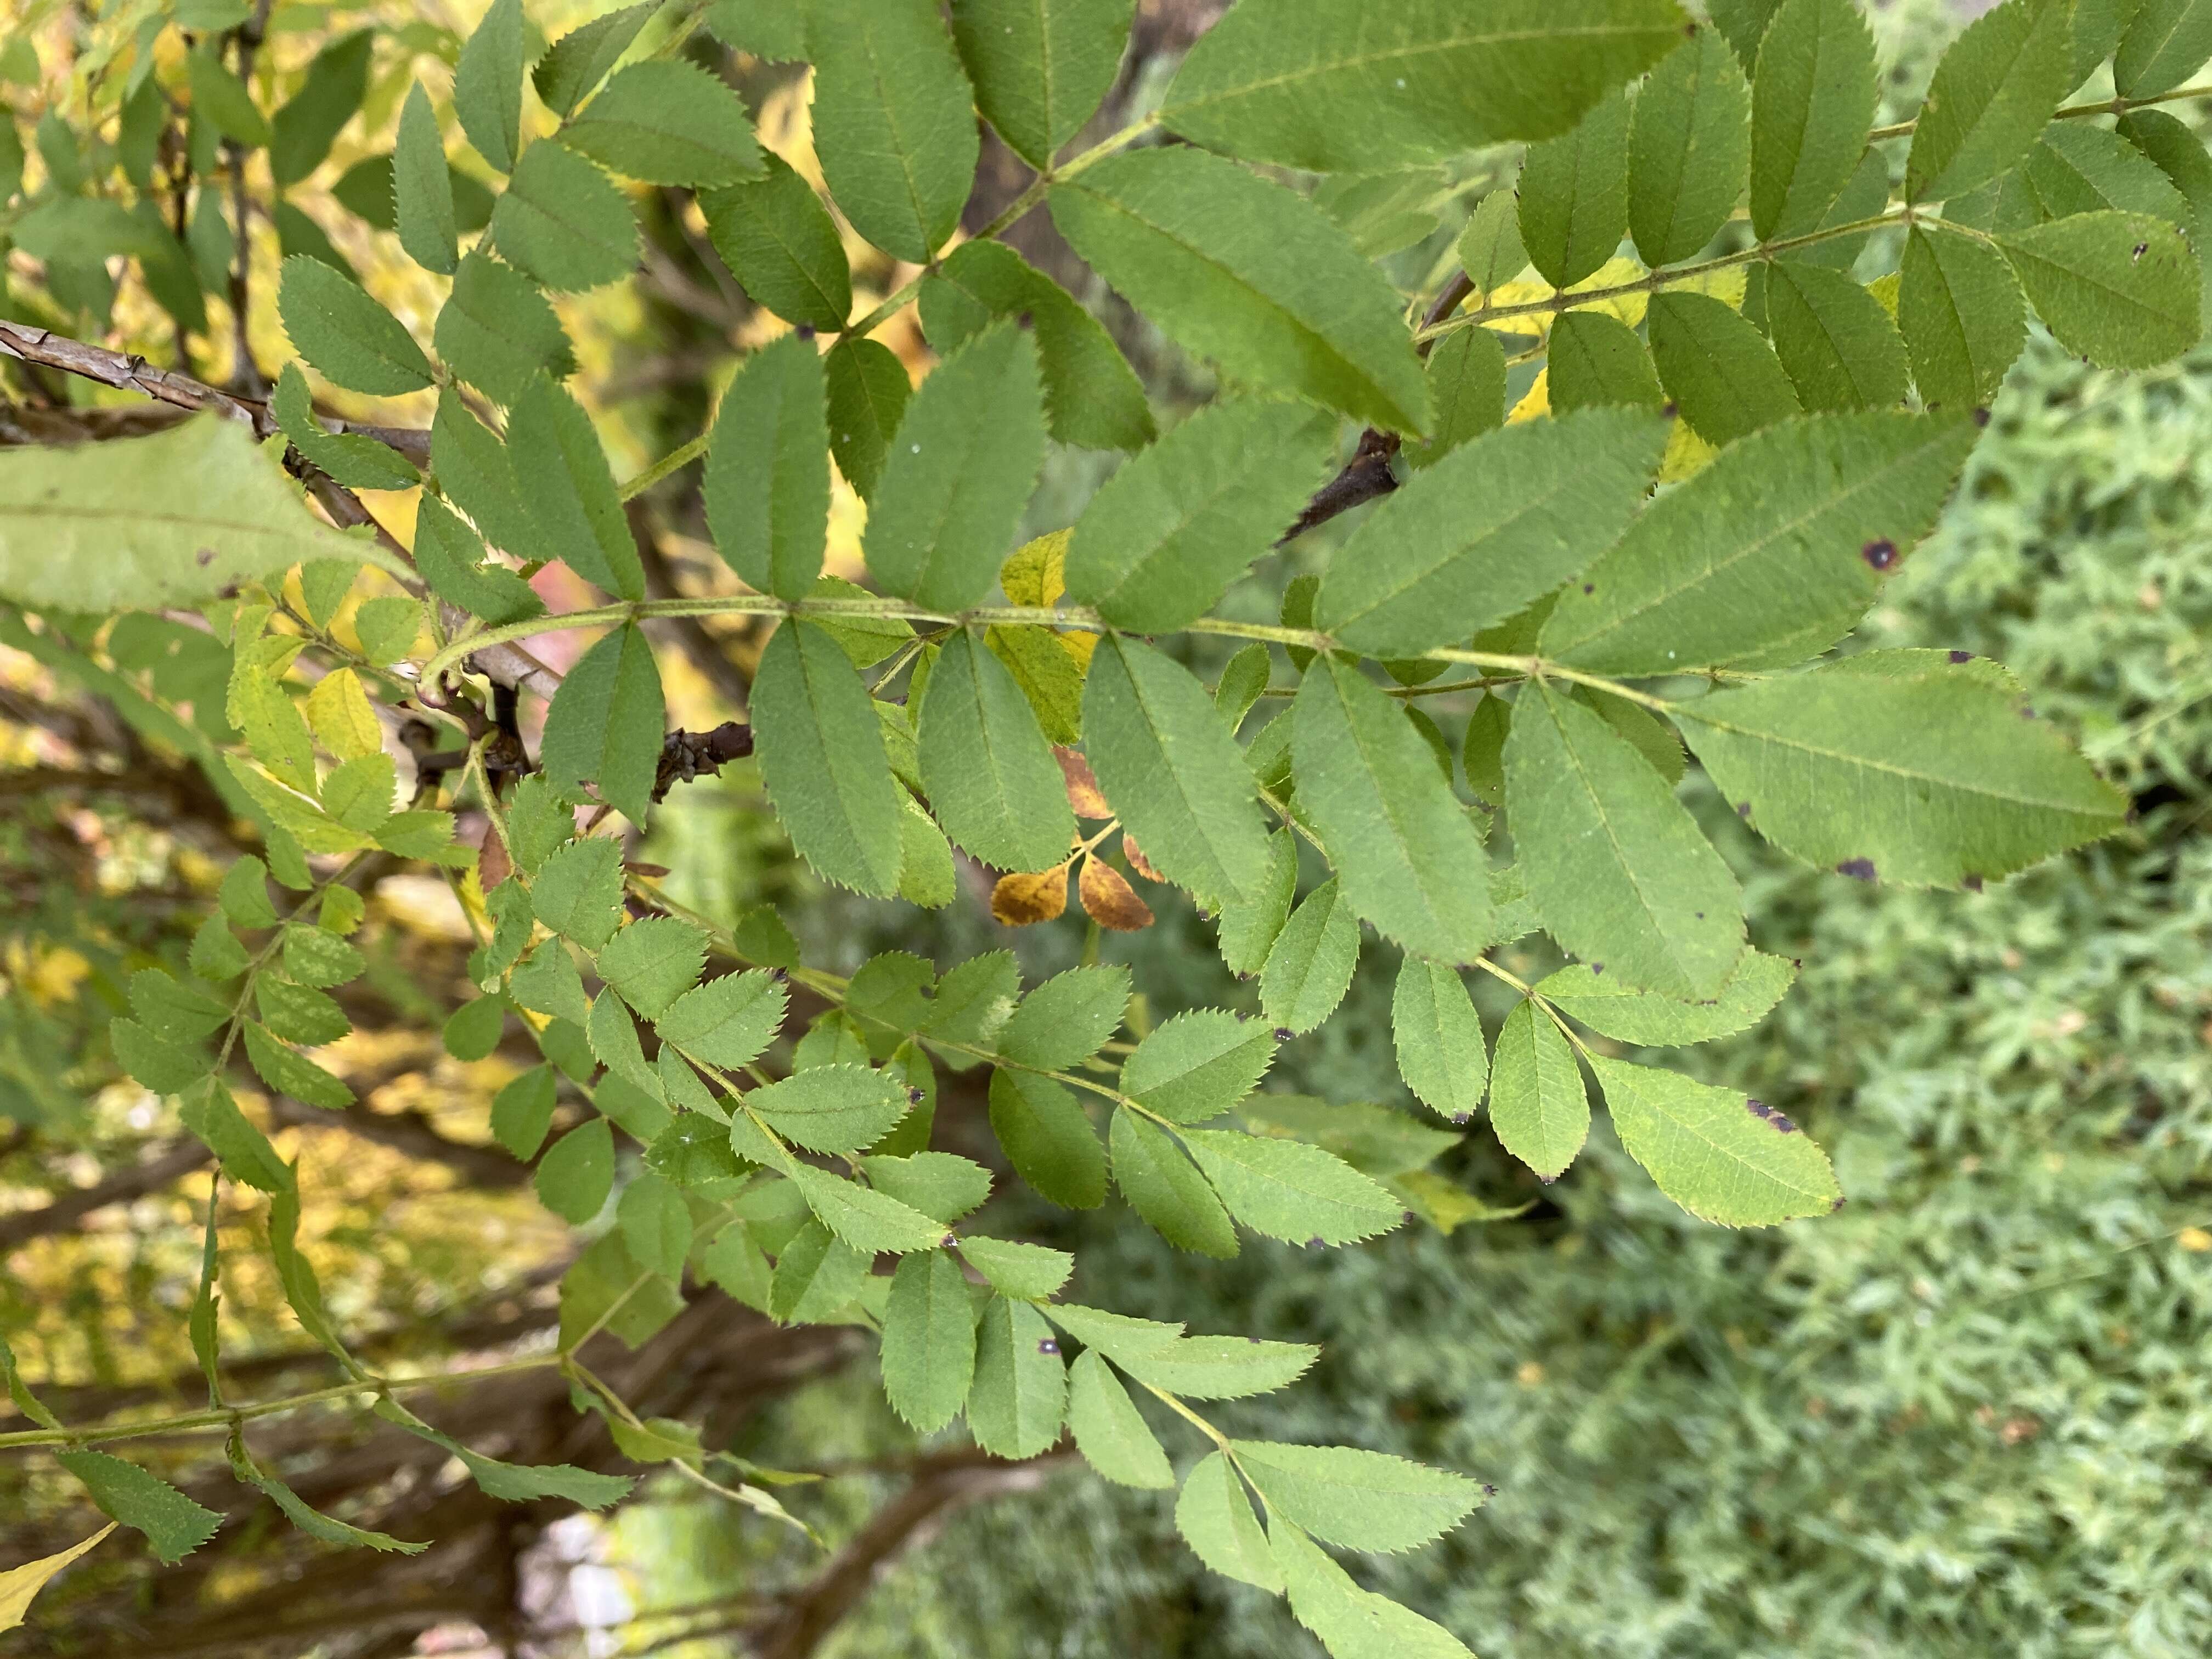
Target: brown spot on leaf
x,y
1962,656
1856,869
205,557
1024,899
1109,899
1972,884
1083,793
1766,1114
1880,553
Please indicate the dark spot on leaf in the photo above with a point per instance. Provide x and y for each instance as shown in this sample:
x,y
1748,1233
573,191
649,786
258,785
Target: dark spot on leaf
x,y
205,557
1743,811
1488,1491
1048,1345
1856,869
2026,713
1546,1180
1981,417
805,331
1597,968
1972,884
1253,1340
1316,1243
1284,1034
1962,656
1668,409
2142,248
1880,553
1766,1114
913,1096
1589,587
1835,1206
1462,1117
949,1240
782,975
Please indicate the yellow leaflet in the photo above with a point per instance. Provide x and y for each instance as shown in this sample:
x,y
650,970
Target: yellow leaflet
x,y
1614,273
339,711
1687,454
1726,285
1037,573
1884,288
19,1584
1537,403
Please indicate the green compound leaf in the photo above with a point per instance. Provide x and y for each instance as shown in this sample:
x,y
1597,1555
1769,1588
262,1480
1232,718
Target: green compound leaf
x,y
1288,1190
1689,150
767,469
1964,321
1342,86
1596,360
1619,871
1363,1500
728,1021
569,490
564,222
578,1171
1441,1052
1352,1623
2166,42
1928,778
1166,536
1040,67
1812,103
1067,1019
992,781
1109,1431
1219,1367
578,891
1467,379
1718,369
892,121
1618,1010
1470,541
1092,396
1048,1140
498,330
452,562
354,342
1216,1520
782,246
606,722
487,84
1020,1396
653,961
965,461
1721,1156
1996,86
1249,929
822,758
1402,845
1196,243
1163,1187
522,1112
1574,195
580,60
668,122
1028,1273
1198,1065
2121,288
476,473
1537,1103
867,1220
1309,967
222,100
832,1108
1840,347
173,1523
1171,772
868,394
1771,552
357,462
929,1341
